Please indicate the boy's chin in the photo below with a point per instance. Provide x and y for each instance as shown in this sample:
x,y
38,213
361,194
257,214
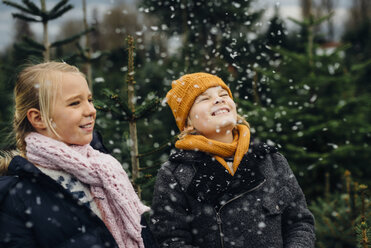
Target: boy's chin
x,y
231,123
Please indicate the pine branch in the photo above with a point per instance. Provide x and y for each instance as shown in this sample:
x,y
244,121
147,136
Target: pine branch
x,y
160,148
322,19
72,59
143,179
17,6
31,6
363,231
300,23
81,55
71,39
116,100
24,17
58,6
32,43
147,108
26,50
360,67
55,15
101,106
156,164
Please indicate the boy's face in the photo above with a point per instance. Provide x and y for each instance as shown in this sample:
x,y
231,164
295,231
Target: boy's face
x,y
213,113
73,115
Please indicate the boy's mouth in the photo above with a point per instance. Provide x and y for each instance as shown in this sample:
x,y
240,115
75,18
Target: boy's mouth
x,y
220,111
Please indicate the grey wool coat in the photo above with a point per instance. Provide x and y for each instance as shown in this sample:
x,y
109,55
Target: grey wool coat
x,y
197,203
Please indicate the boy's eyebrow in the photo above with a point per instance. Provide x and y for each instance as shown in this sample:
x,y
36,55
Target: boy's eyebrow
x,y
201,95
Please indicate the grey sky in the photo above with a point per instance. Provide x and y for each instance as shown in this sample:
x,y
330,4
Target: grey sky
x,y
288,8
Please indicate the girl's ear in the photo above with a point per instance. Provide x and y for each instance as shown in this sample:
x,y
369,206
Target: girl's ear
x,y
36,120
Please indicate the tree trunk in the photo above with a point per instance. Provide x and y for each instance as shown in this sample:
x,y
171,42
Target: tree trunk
x,y
45,35
329,5
132,123
306,6
87,46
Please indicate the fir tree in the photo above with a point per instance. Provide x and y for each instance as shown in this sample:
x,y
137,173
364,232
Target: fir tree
x,y
312,113
30,12
214,36
342,218
125,109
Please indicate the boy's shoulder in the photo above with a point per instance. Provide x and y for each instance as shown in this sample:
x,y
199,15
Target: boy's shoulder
x,y
261,150
189,156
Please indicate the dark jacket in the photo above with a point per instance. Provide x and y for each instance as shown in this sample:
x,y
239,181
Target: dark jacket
x,y
197,203
37,212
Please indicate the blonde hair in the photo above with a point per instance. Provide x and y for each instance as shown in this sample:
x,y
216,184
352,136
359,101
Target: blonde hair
x,y
36,87
187,131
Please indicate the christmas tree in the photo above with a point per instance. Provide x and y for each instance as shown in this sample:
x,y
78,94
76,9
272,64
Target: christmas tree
x,y
313,113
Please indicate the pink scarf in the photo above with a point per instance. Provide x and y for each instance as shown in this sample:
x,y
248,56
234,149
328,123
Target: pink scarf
x,y
119,204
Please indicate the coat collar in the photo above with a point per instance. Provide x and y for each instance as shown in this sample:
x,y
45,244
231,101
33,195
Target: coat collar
x,y
21,166
213,184
257,149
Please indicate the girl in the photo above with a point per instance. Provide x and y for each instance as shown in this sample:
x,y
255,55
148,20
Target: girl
x,y
218,189
60,192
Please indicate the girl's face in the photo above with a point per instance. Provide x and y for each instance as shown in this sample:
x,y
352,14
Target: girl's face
x,y
73,115
213,113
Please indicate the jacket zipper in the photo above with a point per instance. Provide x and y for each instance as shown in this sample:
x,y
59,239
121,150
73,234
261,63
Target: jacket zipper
x,y
217,212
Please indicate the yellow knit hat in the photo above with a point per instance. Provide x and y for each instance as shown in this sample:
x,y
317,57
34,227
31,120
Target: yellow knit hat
x,y
186,89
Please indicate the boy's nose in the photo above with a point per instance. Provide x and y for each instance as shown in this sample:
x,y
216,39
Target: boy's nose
x,y
218,100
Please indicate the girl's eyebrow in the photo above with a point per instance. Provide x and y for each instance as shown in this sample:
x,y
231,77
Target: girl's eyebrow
x,y
79,96
73,98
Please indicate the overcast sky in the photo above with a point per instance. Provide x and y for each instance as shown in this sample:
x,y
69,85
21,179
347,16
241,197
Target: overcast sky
x,y
288,8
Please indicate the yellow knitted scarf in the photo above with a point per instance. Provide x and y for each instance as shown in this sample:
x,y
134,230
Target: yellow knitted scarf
x,y
220,150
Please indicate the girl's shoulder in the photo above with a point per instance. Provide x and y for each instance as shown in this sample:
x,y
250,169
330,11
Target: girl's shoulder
x,y
24,179
16,186
7,183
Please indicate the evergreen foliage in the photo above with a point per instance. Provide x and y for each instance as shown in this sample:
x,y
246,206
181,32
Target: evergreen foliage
x,y
124,109
30,12
214,36
311,110
342,218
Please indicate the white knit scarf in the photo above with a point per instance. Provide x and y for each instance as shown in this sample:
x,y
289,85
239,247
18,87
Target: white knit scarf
x,y
120,206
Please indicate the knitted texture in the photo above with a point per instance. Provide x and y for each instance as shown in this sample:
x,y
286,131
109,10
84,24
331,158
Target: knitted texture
x,y
238,148
119,204
186,89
